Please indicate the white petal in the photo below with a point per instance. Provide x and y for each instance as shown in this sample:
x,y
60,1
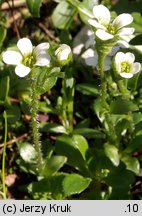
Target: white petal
x,y
22,71
90,42
43,47
120,57
127,38
122,20
129,57
25,46
63,52
91,57
126,31
77,49
126,75
103,35
102,14
12,57
90,33
136,67
96,24
123,44
43,60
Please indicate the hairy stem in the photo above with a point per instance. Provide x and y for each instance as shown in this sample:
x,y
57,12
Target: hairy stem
x,y
107,122
34,109
3,158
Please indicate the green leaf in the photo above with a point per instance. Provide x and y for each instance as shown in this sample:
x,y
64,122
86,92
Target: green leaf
x,y
63,15
53,164
53,186
85,9
134,145
87,89
120,179
97,107
13,114
137,117
53,128
82,144
133,82
121,106
137,23
75,184
3,32
131,163
45,81
27,152
27,167
67,146
89,133
34,7
112,153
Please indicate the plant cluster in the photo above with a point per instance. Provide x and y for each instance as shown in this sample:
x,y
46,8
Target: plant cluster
x,y
82,133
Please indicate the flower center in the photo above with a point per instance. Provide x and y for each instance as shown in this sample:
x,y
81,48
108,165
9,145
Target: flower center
x,y
125,67
111,29
29,60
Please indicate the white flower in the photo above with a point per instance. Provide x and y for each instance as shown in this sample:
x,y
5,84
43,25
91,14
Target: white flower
x,y
84,45
27,57
63,54
125,66
91,58
106,29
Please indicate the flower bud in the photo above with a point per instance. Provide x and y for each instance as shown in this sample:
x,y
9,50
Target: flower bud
x,y
63,54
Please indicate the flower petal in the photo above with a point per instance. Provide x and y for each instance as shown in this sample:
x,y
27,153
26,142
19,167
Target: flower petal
x,y
22,71
63,52
136,67
126,38
12,57
120,56
126,75
43,47
77,49
123,44
90,42
91,57
102,14
43,60
129,57
96,24
25,46
107,63
126,31
122,20
103,35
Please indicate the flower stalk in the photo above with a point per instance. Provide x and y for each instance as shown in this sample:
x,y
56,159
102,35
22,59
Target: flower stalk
x,y
107,122
34,123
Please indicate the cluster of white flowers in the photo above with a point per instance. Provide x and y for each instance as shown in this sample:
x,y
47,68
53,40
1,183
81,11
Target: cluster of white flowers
x,y
29,56
106,29
84,45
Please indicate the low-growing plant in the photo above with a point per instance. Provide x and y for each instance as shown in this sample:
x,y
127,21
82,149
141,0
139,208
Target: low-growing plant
x,y
86,127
